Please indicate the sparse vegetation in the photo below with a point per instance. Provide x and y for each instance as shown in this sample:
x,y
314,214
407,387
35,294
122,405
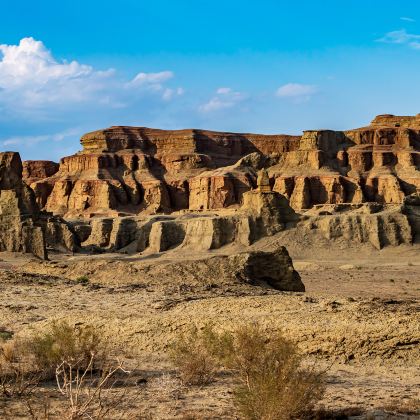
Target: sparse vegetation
x,y
83,279
77,360
193,355
24,362
17,375
64,342
5,334
273,383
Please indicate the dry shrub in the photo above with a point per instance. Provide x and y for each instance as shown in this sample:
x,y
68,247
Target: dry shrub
x,y
274,384
24,362
17,376
193,358
65,343
85,395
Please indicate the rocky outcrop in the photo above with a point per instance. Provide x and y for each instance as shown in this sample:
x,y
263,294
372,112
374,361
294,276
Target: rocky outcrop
x,y
35,171
274,268
23,227
225,186
262,214
378,163
137,170
411,208
365,223
19,227
129,170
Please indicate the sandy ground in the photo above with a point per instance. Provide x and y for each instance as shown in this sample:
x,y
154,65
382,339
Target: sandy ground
x,y
359,318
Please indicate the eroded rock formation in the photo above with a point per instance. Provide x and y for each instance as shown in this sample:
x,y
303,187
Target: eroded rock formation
x,y
129,170
20,230
23,227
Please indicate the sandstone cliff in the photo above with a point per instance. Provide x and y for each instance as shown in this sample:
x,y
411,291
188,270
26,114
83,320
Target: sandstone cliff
x,y
130,170
23,227
19,227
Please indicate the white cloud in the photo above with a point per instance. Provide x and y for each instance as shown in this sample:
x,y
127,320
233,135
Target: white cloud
x,y
32,79
225,98
224,91
154,82
407,19
33,140
401,37
31,75
296,91
169,93
151,78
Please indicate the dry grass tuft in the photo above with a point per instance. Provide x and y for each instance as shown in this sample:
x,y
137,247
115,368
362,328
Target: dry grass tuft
x,y
274,385
193,357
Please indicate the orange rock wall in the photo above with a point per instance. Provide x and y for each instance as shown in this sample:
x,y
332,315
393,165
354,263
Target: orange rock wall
x,y
136,169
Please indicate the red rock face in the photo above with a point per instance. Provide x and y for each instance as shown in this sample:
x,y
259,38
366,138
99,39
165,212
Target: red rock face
x,y
131,170
378,163
38,170
136,169
35,170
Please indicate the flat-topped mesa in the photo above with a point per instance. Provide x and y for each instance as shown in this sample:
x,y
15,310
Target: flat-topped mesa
x,y
389,120
129,170
157,142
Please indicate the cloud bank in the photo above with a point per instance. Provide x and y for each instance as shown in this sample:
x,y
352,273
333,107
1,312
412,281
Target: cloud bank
x,y
224,98
401,37
32,79
296,91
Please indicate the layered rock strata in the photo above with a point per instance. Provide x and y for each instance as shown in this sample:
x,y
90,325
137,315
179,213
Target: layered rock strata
x,y
20,230
262,214
133,170
129,170
23,227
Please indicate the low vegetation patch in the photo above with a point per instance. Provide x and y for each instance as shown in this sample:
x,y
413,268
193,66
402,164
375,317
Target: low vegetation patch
x,y
65,343
83,279
24,362
77,361
195,358
273,382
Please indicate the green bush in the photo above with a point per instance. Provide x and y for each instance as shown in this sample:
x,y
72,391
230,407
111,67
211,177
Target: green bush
x,y
83,279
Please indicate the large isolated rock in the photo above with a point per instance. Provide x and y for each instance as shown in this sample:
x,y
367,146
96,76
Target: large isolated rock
x,y
274,268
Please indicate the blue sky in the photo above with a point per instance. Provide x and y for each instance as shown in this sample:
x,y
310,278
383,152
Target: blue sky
x,y
68,67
